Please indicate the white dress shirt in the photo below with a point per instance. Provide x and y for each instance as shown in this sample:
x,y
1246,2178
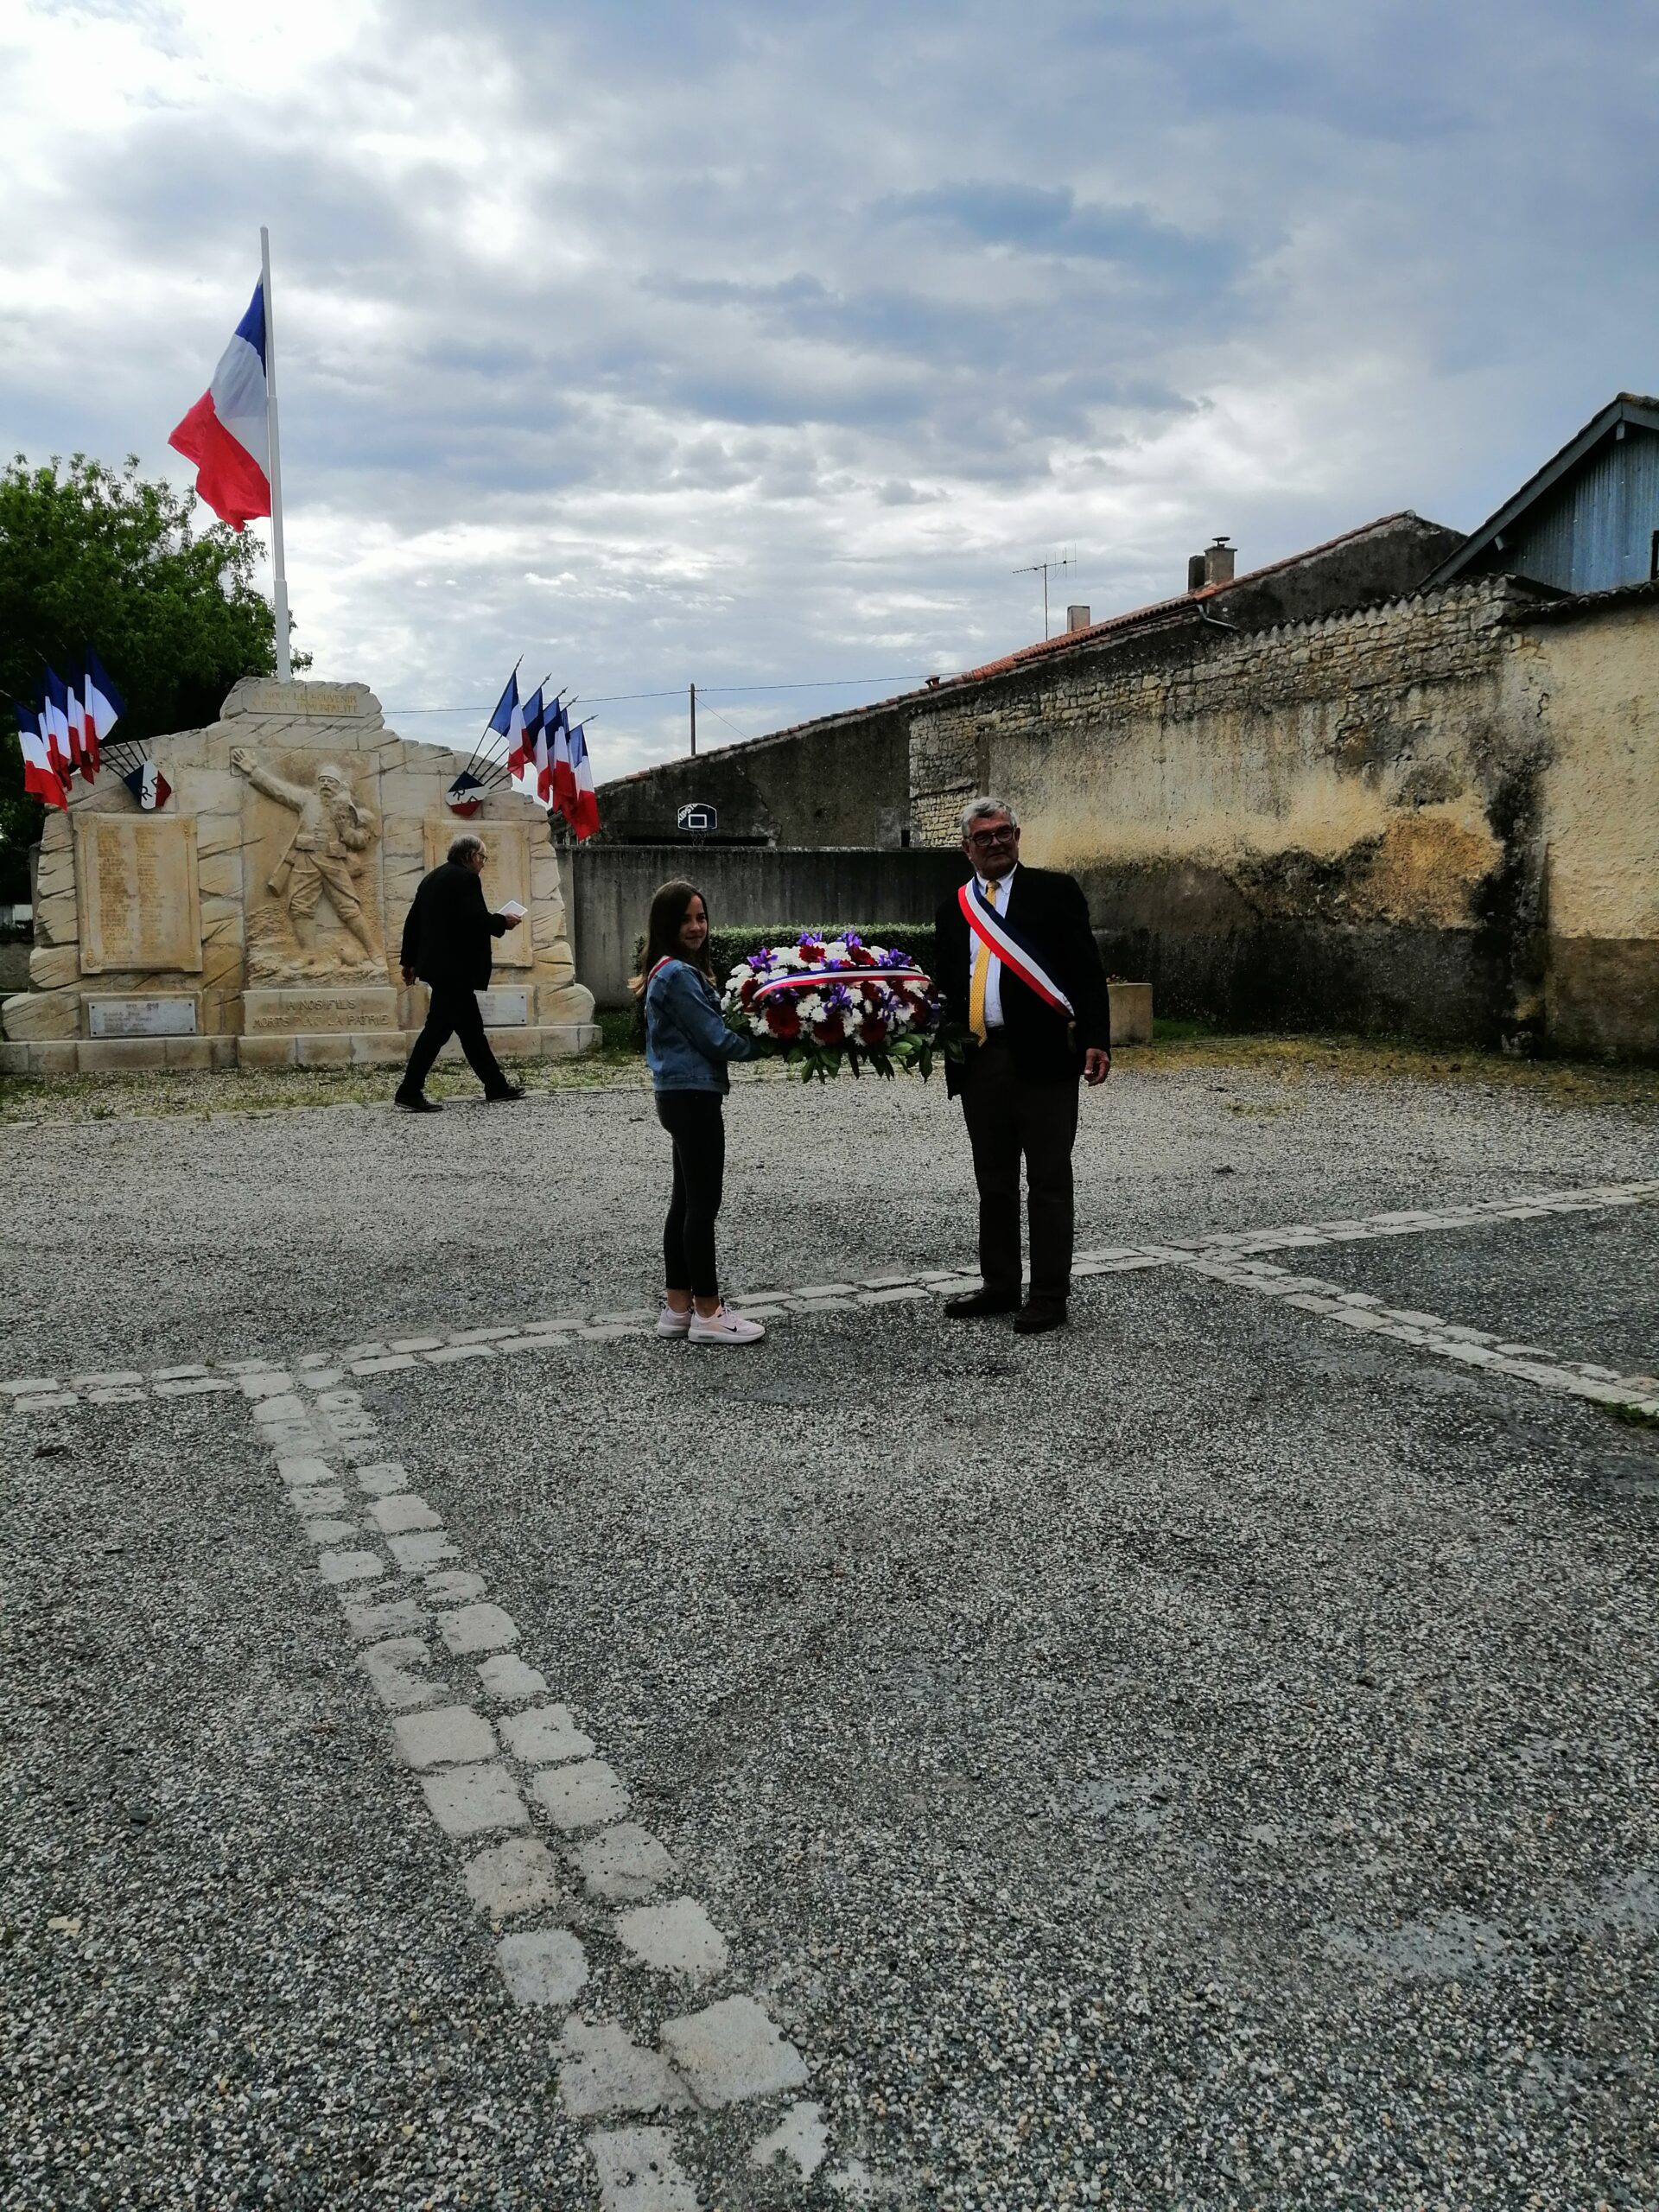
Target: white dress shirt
x,y
994,972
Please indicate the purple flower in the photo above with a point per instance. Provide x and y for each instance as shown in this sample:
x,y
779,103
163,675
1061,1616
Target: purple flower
x,y
893,958
851,936
837,999
760,960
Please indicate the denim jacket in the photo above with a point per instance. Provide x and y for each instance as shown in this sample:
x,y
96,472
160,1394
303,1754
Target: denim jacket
x,y
687,1042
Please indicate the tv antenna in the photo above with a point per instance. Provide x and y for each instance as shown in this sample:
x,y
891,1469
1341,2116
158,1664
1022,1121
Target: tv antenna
x,y
1041,568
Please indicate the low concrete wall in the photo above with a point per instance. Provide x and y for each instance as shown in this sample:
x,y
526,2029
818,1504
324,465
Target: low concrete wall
x,y
610,889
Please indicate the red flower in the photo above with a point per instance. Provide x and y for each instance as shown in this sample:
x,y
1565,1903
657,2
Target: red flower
x,y
747,989
872,1030
832,1030
861,956
783,1020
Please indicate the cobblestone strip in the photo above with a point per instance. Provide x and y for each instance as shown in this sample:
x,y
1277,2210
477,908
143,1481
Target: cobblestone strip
x,y
1433,1334
549,1854
46,1393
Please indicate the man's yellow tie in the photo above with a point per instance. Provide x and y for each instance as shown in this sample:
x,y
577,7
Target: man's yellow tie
x,y
976,982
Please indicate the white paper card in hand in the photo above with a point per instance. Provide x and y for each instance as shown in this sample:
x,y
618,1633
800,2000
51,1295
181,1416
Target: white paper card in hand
x,y
513,910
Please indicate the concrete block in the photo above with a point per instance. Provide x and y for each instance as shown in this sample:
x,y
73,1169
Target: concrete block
x,y
583,1796
637,2171
474,1800
14,1059
452,1735
731,2050
350,1566
264,1051
322,1051
387,1617
401,1513
454,1587
426,1548
624,1863
473,1627
546,1965
111,1055
189,1052
676,1938
602,2070
51,966
505,1676
517,1876
801,2138
390,1667
544,1734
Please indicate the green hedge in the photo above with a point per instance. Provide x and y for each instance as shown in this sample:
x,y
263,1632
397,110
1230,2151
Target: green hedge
x,y
728,946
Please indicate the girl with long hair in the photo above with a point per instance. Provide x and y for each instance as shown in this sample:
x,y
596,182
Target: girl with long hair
x,y
688,1049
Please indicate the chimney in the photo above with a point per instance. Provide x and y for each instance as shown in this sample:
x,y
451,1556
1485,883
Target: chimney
x,y
1218,563
1195,573
1077,618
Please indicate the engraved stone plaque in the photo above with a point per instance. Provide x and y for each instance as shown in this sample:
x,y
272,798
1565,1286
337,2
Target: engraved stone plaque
x,y
295,1012
136,875
141,1017
506,875
503,1009
331,702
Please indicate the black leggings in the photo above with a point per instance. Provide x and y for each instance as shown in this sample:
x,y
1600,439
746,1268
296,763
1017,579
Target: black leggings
x,y
693,1120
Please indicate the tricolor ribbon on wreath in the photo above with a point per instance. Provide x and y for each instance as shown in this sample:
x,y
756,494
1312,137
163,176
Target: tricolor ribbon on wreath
x,y
808,979
1004,944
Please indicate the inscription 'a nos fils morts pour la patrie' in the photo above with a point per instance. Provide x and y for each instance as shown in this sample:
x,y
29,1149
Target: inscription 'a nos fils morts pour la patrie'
x,y
140,909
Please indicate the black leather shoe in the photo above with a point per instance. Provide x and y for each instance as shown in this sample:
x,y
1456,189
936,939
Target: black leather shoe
x,y
1033,1320
496,1098
416,1102
980,1302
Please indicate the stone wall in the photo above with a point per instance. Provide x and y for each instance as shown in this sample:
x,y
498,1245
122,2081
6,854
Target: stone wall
x,y
242,922
1435,815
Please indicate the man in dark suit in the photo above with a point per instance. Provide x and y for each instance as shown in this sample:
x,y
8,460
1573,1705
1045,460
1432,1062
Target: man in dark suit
x,y
447,944
1019,1081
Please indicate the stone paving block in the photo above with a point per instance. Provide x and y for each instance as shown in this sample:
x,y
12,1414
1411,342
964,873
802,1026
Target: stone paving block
x,y
731,2050
530,1344
444,1355
364,1350
107,1378
624,1862
390,1667
400,1513
202,1386
275,1412
891,1297
371,1617
385,1362
451,1586
544,1734
382,1477
264,1385
301,1473
678,1937
805,1313
331,1531
517,1876
177,1374
801,2137
452,1735
414,1343
580,1796
506,1676
823,1290
114,1395
426,1548
45,1402
474,1800
545,1966
328,1497
322,1378
350,1566
637,2171
475,1628
602,2070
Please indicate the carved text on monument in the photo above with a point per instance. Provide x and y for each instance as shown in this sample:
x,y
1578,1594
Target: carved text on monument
x,y
136,879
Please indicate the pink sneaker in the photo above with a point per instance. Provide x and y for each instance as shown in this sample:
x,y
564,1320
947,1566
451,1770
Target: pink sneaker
x,y
725,1328
671,1323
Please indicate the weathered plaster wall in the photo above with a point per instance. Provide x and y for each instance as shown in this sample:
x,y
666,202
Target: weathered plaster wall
x,y
1593,682
1331,821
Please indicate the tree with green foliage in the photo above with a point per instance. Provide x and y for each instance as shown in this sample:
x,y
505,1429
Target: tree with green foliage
x,y
89,556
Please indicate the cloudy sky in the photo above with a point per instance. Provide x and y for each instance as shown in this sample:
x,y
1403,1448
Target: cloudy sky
x,y
755,343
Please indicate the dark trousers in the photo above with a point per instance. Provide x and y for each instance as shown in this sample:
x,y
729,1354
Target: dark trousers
x,y
452,1013
1008,1119
694,1122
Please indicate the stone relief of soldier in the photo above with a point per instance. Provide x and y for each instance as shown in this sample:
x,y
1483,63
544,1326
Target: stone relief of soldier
x,y
324,855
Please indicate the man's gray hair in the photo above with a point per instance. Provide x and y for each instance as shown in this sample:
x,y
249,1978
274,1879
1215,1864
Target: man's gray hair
x,y
982,809
462,848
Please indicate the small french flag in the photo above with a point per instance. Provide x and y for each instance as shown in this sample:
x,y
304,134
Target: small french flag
x,y
226,432
148,785
582,813
40,778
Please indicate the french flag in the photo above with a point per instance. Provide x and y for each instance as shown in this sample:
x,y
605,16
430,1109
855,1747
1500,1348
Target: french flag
x,y
102,705
40,778
225,432
559,785
582,813
55,723
520,758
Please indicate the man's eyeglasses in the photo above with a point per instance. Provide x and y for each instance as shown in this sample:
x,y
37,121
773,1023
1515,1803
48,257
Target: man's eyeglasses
x,y
1005,836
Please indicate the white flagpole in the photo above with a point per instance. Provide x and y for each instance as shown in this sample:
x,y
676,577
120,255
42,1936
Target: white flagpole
x,y
279,575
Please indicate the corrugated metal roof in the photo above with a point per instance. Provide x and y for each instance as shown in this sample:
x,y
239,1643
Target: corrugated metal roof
x,y
1576,605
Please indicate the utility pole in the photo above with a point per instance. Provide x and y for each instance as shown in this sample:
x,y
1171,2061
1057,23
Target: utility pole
x,y
694,721
1041,568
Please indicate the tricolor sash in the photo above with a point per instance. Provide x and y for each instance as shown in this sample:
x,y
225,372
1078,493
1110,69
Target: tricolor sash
x,y
809,979
1002,943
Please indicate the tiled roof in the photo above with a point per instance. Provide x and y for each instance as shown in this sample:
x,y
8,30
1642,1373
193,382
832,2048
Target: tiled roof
x,y
1163,610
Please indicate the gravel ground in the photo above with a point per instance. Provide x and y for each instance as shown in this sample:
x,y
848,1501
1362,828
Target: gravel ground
x,y
1197,1760
280,1232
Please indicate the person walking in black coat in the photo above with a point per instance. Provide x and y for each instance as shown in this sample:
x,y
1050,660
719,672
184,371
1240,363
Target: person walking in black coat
x,y
447,944
1036,1002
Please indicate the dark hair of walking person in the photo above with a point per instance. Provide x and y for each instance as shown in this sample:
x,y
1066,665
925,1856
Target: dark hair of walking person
x,y
689,1048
